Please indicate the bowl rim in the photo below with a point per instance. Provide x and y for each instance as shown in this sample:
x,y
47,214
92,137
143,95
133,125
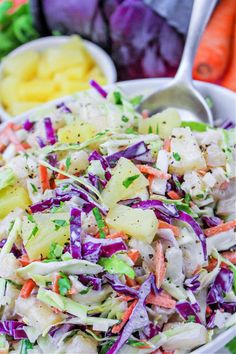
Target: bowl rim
x,y
45,42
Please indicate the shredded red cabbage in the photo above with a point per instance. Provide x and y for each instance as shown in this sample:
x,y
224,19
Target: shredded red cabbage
x,y
186,309
221,285
228,306
13,329
88,280
138,319
50,134
210,221
150,331
49,203
192,283
131,152
118,286
98,88
28,125
75,230
228,124
167,209
40,142
91,251
63,108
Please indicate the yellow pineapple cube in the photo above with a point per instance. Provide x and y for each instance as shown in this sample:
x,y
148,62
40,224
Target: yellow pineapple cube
x,y
13,197
77,132
23,66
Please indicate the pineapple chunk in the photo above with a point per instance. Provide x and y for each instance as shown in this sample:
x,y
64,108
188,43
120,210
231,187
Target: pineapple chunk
x,y
161,123
115,189
13,197
36,89
138,223
9,87
38,235
22,66
76,132
185,153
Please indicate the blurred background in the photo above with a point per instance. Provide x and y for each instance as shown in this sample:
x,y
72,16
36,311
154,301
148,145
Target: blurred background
x,y
144,38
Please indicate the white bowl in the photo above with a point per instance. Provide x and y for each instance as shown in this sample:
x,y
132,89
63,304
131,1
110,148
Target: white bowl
x,y
98,54
223,108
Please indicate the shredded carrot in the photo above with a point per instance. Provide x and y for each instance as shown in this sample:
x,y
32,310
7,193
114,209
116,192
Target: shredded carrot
x,y
153,171
26,146
133,255
55,285
157,351
117,328
211,231
161,300
231,256
129,281
2,147
165,225
60,175
159,265
27,288
212,264
173,195
13,138
24,260
43,173
229,79
150,180
214,50
118,234
202,172
208,310
167,145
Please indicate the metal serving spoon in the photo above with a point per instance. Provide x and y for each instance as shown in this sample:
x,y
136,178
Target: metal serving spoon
x,y
180,92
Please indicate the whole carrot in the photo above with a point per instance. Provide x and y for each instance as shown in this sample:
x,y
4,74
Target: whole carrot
x,y
214,50
229,80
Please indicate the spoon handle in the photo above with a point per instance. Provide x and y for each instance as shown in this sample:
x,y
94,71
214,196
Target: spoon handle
x,y
201,13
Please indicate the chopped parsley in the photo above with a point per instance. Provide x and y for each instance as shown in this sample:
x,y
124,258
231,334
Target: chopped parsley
x,y
55,251
117,97
99,221
35,228
150,131
191,318
34,232
200,196
130,131
25,345
64,284
128,181
68,163
125,119
55,209
187,198
176,156
59,223
136,100
85,291
34,188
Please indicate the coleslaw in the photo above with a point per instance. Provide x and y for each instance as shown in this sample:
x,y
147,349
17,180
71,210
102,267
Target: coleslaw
x,y
117,230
